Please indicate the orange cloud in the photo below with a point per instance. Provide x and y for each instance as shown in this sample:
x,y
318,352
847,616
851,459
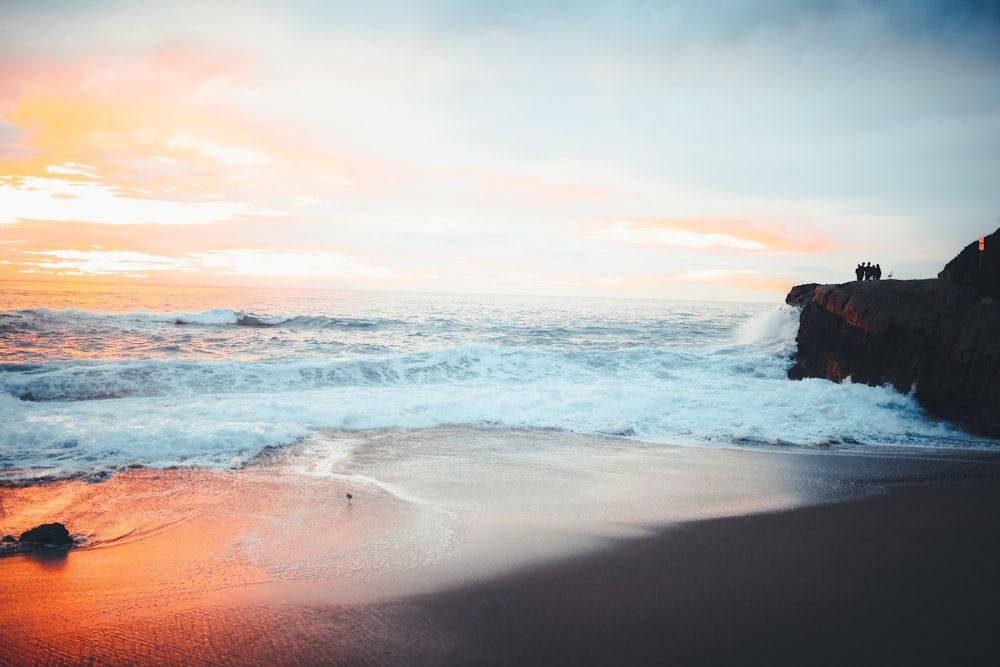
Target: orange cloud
x,y
96,262
293,263
693,283
747,279
154,126
704,233
97,110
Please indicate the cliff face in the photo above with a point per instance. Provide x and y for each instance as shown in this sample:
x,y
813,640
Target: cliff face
x,y
935,336
973,268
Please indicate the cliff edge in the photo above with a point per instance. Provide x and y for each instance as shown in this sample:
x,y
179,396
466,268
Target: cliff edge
x,y
938,337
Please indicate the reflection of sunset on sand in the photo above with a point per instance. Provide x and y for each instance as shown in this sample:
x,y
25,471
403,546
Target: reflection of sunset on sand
x,y
166,552
271,565
150,543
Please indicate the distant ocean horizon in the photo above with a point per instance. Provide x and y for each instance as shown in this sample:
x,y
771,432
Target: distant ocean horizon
x,y
95,378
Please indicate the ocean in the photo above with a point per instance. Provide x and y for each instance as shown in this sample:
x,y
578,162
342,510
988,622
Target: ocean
x,y
98,378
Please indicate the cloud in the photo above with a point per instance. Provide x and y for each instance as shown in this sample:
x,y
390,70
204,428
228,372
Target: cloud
x,y
72,262
627,232
252,262
221,154
713,275
72,169
271,262
34,198
735,280
701,234
11,136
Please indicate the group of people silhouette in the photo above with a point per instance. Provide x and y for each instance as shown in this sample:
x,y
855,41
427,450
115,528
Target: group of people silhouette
x,y
866,272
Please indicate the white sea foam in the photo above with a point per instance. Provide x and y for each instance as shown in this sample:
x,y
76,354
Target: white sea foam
x,y
674,404
70,315
774,330
715,376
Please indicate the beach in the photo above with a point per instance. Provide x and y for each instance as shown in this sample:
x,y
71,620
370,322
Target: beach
x,y
857,558
909,577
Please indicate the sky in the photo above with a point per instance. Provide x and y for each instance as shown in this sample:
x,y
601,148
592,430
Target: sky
x,y
722,150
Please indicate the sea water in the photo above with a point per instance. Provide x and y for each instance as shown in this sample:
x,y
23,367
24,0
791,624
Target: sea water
x,y
96,378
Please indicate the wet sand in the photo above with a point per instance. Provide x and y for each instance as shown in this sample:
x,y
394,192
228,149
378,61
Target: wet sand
x,y
254,568
907,578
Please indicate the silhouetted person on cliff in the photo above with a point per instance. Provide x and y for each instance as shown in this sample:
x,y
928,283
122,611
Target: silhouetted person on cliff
x,y
877,272
859,272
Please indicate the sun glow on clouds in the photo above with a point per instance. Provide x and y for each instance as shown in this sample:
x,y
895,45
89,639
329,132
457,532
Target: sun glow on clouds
x,y
672,235
125,263
222,154
72,169
159,122
744,279
257,262
288,263
128,141
714,275
37,198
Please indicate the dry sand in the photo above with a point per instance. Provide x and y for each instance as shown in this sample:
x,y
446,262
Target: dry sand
x,y
257,567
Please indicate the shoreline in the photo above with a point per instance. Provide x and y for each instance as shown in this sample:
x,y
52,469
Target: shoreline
x,y
236,559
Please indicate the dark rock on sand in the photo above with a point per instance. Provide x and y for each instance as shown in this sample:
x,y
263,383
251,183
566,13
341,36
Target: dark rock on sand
x,y
48,535
938,337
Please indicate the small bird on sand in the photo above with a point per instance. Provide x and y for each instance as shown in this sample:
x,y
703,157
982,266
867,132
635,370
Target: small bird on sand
x,y
349,497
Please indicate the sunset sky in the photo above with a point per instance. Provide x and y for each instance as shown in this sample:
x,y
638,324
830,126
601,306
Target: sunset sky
x,y
718,150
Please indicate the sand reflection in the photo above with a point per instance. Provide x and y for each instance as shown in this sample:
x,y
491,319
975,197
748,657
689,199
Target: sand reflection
x,y
193,564
50,560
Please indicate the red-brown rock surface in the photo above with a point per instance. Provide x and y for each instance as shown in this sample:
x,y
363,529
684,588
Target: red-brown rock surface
x,y
937,337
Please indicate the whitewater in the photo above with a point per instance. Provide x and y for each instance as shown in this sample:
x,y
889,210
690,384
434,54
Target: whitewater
x,y
98,380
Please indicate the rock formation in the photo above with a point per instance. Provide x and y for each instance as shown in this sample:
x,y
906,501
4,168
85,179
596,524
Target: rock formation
x,y
47,534
973,268
938,337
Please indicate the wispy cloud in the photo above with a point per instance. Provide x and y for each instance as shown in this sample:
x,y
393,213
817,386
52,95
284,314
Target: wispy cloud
x,y
743,279
96,262
246,262
34,198
702,234
276,263
623,231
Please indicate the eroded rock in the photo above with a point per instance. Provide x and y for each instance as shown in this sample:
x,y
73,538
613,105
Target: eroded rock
x,y
46,535
937,337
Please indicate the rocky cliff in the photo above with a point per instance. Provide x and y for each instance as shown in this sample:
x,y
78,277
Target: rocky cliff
x,y
973,268
938,337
